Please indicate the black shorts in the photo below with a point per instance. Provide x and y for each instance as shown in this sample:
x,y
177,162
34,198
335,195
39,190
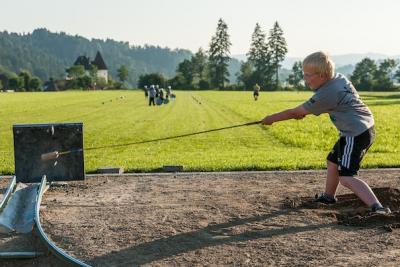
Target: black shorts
x,y
349,151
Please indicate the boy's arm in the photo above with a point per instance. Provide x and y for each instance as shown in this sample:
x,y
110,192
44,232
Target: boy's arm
x,y
297,113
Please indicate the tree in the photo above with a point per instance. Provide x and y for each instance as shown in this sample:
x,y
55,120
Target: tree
x,y
16,83
84,82
296,77
245,76
260,57
76,71
35,84
5,76
199,64
26,77
178,82
191,73
363,77
186,73
93,77
278,47
219,56
151,78
122,73
383,75
397,75
93,72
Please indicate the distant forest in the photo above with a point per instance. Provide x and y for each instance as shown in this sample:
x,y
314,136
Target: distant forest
x,y
47,55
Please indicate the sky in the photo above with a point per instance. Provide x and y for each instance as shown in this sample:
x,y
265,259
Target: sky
x,y
338,27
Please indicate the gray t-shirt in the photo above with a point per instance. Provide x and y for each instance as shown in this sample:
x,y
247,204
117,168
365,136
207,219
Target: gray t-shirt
x,y
152,92
340,100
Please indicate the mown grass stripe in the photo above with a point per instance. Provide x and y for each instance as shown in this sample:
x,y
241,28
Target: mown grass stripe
x,y
286,145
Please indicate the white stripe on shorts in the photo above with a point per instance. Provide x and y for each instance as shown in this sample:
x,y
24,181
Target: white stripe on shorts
x,y
348,148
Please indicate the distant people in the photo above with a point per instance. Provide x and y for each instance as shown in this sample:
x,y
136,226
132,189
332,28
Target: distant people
x,y
160,98
172,96
152,95
146,92
256,91
157,90
168,93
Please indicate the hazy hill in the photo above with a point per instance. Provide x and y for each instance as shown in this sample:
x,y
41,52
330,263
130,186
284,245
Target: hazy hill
x,y
46,54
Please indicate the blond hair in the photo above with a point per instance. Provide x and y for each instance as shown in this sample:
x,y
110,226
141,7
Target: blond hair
x,y
321,63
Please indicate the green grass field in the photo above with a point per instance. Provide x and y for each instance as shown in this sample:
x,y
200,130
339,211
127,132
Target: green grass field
x,y
110,120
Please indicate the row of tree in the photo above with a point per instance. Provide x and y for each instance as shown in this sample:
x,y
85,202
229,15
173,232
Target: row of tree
x,y
78,78
209,69
368,75
21,82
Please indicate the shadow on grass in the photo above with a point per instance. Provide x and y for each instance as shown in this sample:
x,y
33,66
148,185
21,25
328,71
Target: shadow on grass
x,y
383,103
379,97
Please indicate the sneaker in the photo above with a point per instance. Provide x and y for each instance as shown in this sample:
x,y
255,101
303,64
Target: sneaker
x,y
326,199
381,210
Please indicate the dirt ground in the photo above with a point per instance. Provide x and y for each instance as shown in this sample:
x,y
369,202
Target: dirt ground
x,y
218,219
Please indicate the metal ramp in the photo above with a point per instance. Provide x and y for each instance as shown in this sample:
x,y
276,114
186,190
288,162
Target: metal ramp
x,y
17,215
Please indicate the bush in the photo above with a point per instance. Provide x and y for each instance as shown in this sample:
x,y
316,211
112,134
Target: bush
x,y
204,84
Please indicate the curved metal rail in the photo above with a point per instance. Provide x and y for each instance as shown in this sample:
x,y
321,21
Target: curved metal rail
x,y
8,193
50,245
20,255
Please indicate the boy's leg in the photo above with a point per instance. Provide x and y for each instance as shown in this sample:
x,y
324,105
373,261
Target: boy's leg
x,y
331,184
353,151
332,178
343,164
360,188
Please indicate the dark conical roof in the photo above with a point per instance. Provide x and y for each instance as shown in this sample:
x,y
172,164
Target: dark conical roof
x,y
99,62
84,61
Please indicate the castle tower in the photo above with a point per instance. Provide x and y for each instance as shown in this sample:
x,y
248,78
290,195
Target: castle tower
x,y
102,71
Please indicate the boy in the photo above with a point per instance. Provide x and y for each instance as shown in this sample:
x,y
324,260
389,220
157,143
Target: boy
x,y
335,95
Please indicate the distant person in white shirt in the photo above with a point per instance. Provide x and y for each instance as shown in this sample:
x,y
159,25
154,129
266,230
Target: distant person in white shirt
x,y
152,95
